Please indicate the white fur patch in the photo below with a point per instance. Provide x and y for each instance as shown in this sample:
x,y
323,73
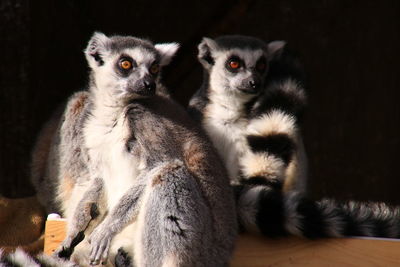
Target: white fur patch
x,y
167,51
226,130
106,134
274,122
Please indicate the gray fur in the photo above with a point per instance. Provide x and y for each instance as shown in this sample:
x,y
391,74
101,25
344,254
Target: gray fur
x,y
166,181
180,207
58,153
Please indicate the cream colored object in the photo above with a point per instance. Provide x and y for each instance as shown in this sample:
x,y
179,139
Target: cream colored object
x,y
55,232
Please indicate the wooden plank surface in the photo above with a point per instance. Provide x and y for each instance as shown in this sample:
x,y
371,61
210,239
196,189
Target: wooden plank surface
x,y
255,251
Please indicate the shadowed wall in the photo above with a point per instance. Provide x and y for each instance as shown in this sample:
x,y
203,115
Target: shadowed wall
x,y
350,50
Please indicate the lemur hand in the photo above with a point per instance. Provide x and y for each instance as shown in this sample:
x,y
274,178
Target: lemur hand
x,y
100,241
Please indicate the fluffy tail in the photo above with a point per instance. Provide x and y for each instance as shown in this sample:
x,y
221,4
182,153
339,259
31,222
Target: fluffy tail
x,y
21,259
273,213
276,151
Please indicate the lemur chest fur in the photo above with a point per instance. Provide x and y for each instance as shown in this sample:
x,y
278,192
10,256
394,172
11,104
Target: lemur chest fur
x,y
227,126
106,135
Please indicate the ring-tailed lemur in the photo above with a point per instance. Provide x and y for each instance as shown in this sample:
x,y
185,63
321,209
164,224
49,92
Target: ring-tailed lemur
x,y
250,104
252,123
126,160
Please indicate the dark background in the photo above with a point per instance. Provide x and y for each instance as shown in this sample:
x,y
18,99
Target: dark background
x,y
350,50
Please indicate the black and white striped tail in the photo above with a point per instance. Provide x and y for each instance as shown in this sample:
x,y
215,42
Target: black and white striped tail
x,y
264,209
21,259
275,147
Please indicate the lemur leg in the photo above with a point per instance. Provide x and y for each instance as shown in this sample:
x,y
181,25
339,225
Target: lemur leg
x,y
85,212
120,216
174,224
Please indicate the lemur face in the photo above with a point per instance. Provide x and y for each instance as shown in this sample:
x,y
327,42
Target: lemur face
x,y
237,65
240,70
127,67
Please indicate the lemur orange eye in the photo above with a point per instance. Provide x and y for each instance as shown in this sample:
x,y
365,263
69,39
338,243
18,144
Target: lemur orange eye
x,y
154,69
126,64
234,64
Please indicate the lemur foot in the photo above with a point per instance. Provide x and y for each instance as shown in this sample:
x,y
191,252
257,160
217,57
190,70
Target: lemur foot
x,y
67,246
122,259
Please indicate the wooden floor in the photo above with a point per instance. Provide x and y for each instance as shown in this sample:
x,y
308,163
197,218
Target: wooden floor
x,y
258,251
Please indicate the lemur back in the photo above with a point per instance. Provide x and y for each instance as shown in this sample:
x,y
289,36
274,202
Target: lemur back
x,y
132,170
251,110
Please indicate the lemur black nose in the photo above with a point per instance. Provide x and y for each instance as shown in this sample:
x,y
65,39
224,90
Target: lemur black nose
x,y
253,84
151,86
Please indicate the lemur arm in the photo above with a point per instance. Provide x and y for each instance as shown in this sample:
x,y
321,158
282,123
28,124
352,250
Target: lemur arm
x,y
86,211
121,215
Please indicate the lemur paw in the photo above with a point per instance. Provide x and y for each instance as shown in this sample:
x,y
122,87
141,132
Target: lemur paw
x,y
100,244
64,251
67,246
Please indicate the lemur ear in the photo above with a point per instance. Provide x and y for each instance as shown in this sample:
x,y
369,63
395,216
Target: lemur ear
x,y
275,48
167,51
96,48
206,47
